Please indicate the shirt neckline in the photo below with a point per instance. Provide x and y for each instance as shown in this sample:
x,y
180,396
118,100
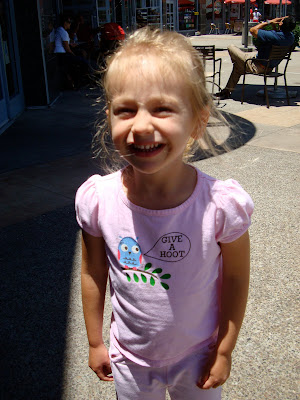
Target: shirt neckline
x,y
163,212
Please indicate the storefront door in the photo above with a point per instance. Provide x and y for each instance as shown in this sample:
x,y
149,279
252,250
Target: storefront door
x,y
3,105
171,22
103,11
11,96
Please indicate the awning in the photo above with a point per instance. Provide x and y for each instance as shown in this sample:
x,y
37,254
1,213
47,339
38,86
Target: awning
x,y
237,1
277,2
185,3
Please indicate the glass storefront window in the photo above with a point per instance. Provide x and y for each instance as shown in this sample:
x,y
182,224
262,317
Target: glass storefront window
x,y
170,16
147,13
101,3
8,52
147,16
1,91
102,17
48,24
49,21
186,10
217,16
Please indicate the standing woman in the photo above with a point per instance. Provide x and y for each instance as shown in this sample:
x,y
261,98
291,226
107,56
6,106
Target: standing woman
x,y
73,67
62,38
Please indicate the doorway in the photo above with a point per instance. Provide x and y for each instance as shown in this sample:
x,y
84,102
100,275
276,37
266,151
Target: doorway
x,y
11,95
171,21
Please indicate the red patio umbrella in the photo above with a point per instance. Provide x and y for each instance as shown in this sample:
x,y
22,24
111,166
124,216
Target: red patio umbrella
x,y
277,2
237,1
182,3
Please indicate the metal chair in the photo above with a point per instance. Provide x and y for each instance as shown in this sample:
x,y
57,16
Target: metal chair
x,y
278,53
214,29
227,28
208,53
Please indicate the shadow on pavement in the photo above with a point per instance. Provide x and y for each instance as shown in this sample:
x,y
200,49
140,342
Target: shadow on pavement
x,y
36,267
240,132
251,96
44,135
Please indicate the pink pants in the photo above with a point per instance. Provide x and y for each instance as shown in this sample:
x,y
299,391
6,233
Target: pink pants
x,y
135,382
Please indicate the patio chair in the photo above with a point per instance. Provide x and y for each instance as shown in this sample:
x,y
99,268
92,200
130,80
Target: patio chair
x,y
228,28
277,53
208,53
214,29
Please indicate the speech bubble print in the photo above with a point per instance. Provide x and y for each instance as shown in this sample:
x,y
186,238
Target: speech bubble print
x,y
171,247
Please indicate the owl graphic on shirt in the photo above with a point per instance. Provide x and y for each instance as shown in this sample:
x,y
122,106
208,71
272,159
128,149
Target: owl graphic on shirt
x,y
129,253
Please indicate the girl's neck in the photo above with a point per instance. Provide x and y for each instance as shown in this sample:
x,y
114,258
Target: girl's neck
x,y
159,191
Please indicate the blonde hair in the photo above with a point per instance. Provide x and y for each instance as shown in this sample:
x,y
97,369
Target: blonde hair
x,y
174,54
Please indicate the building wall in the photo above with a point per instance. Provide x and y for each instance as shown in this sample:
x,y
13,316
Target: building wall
x,y
31,56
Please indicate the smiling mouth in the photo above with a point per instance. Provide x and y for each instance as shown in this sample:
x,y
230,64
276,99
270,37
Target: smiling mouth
x,y
146,148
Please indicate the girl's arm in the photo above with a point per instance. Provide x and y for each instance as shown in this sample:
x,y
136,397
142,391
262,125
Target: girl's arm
x,y
94,273
236,268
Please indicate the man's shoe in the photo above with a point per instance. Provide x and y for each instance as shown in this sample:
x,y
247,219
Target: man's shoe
x,y
223,95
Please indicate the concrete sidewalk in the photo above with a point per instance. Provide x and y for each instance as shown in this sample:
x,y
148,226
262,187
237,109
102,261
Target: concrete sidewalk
x,y
44,158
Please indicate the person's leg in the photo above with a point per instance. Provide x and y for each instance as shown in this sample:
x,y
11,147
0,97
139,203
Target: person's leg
x,y
68,82
135,382
78,68
238,58
184,375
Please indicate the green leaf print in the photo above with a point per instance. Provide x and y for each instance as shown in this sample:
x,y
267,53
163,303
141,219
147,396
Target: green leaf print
x,y
154,275
152,281
157,271
164,285
166,276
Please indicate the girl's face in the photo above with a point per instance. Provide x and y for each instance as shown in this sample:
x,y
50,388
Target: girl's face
x,y
151,119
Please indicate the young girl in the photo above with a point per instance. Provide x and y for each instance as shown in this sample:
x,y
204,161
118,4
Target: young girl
x,y
173,239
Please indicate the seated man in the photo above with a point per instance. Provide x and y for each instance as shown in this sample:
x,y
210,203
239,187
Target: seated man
x,y
281,37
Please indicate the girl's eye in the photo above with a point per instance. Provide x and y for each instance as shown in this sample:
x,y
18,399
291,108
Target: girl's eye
x,y
123,111
124,247
163,110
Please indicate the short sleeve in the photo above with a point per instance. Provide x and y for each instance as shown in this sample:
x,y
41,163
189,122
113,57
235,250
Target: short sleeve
x,y
62,34
87,207
266,36
234,210
65,36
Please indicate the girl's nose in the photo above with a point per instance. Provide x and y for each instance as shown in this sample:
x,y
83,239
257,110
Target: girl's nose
x,y
142,123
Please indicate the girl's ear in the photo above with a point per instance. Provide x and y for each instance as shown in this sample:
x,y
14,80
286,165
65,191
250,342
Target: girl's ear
x,y
201,123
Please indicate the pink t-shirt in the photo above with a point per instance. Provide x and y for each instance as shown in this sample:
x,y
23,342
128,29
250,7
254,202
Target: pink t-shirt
x,y
164,265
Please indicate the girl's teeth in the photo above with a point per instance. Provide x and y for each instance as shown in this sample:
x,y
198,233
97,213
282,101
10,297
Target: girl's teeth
x,y
146,147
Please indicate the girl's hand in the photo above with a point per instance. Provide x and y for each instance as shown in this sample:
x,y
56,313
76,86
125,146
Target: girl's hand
x,y
99,362
216,373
